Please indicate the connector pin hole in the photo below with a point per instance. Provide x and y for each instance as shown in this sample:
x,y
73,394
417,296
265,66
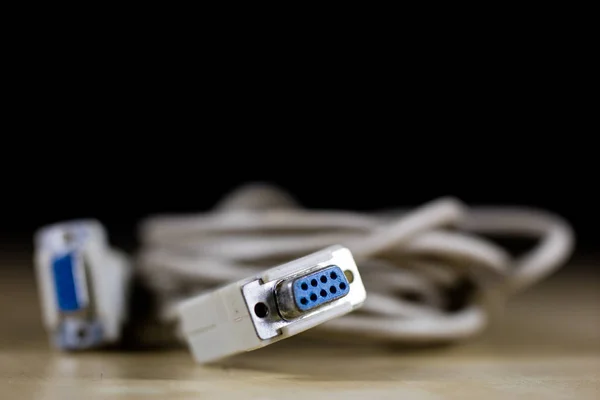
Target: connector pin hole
x,y
333,289
304,286
343,286
333,275
323,279
304,301
323,293
313,297
261,310
349,276
314,283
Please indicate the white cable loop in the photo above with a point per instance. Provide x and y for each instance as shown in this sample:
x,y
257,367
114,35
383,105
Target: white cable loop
x,y
423,253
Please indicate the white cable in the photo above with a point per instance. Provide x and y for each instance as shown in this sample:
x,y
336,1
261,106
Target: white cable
x,y
424,254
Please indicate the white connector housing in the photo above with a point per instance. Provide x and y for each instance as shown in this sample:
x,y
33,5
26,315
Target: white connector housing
x,y
83,284
225,322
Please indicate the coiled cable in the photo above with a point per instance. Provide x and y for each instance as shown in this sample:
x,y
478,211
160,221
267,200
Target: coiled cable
x,y
414,263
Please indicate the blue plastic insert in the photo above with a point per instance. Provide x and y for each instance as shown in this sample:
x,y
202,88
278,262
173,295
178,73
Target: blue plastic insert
x,y
320,287
64,282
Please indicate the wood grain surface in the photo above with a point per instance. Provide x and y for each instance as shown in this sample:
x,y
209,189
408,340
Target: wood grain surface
x,y
545,345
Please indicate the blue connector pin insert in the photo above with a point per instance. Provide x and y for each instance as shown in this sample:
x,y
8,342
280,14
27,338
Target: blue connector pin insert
x,y
68,292
320,287
311,291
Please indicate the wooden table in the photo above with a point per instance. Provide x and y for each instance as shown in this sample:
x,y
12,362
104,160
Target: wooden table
x,y
545,346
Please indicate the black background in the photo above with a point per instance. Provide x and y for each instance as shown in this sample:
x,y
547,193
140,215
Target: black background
x,y
119,146
121,185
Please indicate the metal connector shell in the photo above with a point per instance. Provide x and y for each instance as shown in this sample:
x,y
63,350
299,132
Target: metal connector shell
x,y
310,291
274,291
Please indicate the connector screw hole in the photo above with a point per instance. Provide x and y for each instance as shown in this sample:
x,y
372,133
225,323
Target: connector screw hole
x,y
261,310
68,237
343,286
333,289
314,283
313,297
323,279
304,286
349,275
81,333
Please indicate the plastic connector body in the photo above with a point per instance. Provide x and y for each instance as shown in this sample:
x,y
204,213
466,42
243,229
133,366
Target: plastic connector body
x,y
260,310
83,285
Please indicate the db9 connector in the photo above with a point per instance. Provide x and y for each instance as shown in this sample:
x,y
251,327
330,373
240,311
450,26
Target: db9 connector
x,y
83,285
281,302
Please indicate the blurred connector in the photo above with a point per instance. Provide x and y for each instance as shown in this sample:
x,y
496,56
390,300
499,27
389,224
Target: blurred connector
x,y
83,284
